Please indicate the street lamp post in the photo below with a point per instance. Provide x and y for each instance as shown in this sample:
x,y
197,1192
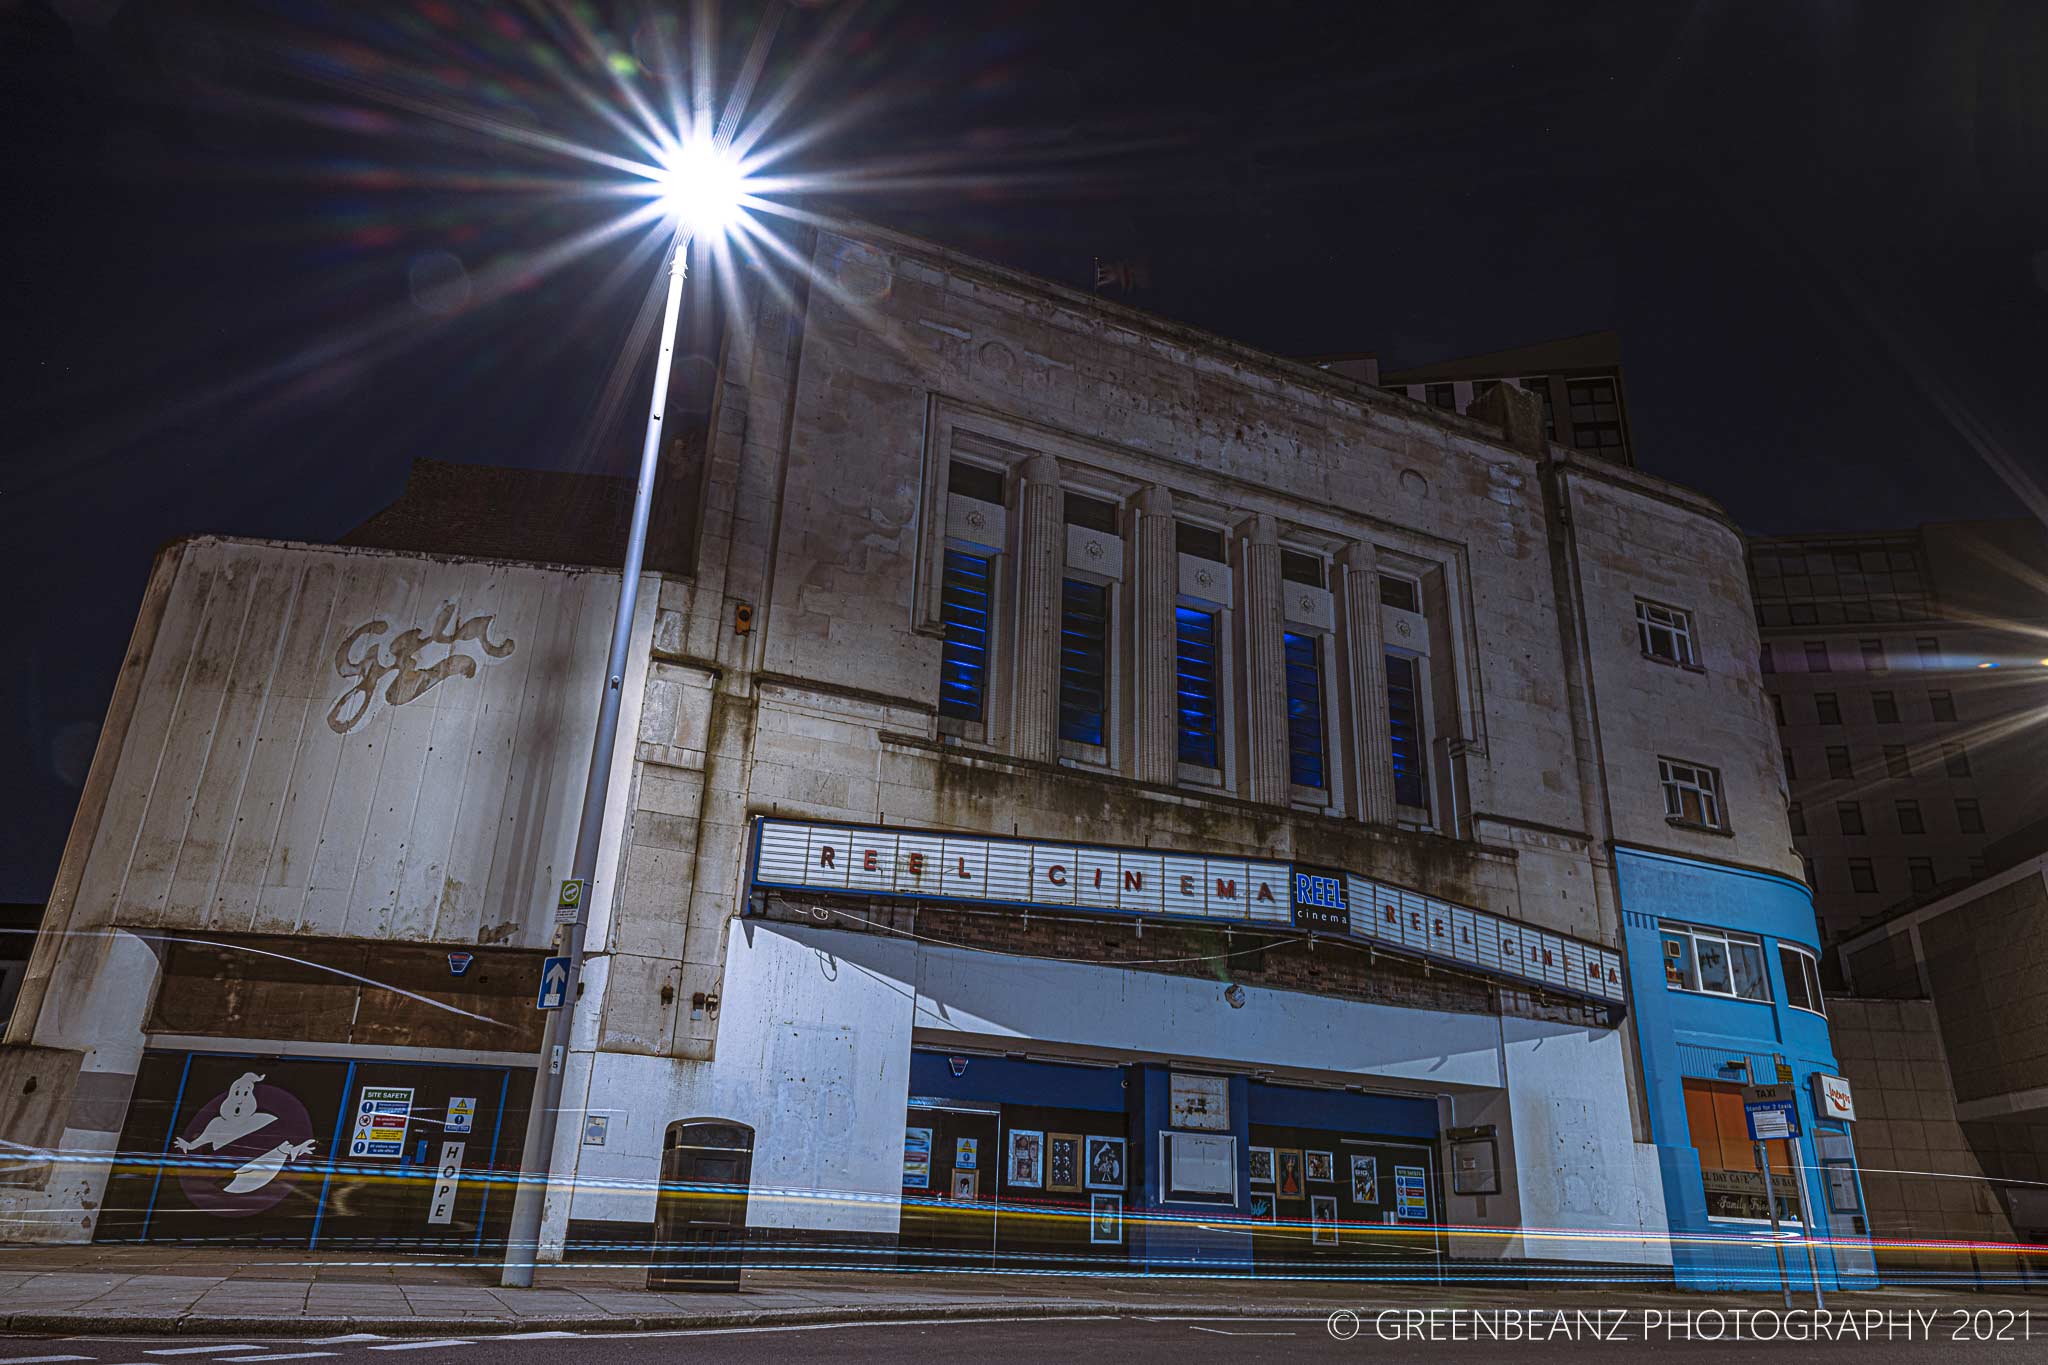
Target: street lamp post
x,y
701,190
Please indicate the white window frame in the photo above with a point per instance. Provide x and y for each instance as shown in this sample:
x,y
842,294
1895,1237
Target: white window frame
x,y
1678,776
1727,938
1810,977
1675,622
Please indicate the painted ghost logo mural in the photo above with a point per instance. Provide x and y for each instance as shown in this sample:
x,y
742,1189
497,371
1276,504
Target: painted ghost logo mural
x,y
369,663
242,1139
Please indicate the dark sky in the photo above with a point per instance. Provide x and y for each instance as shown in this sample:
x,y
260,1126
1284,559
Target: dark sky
x,y
253,261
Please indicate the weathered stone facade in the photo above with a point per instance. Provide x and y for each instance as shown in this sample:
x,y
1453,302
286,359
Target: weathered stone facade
x,y
1322,529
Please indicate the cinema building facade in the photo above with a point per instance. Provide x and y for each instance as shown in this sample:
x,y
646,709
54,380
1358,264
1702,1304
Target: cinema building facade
x,y
1092,794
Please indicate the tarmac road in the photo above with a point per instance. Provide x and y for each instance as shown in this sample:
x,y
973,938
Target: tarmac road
x,y
1935,1332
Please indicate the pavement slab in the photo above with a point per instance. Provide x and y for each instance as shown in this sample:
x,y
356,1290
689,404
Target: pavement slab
x,y
287,1294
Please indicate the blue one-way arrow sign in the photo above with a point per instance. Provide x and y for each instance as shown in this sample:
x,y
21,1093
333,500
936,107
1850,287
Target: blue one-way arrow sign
x,y
554,983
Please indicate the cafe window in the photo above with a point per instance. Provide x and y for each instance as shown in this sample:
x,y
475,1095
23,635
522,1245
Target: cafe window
x,y
1802,978
1714,962
1734,1182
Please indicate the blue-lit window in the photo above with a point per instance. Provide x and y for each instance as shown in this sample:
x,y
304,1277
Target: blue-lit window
x,y
964,604
1404,725
1084,661
1198,669
1305,747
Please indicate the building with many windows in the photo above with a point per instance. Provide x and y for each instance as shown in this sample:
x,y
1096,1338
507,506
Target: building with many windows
x,y
1907,680
1578,380
1091,793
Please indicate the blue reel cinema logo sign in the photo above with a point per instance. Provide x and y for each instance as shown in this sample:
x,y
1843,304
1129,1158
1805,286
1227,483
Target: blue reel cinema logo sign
x,y
1319,900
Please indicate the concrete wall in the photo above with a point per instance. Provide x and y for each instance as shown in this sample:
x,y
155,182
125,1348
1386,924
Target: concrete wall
x,y
816,1056
345,743
1921,1180
1633,539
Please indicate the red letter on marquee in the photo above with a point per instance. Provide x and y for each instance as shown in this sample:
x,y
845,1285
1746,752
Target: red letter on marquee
x,y
917,864
867,859
825,856
1226,889
1056,873
1265,892
1187,886
1134,881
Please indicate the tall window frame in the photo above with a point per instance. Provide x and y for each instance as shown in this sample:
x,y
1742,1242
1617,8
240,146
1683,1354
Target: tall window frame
x,y
1305,658
1204,586
972,601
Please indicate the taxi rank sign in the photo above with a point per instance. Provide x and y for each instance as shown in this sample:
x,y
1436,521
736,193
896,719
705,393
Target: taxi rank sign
x,y
1101,879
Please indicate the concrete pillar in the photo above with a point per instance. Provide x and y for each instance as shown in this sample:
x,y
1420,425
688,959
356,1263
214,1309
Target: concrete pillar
x,y
1364,646
1041,560
1265,664
1154,576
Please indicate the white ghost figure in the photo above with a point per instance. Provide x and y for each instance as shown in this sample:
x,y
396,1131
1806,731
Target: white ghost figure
x,y
238,1117
254,1175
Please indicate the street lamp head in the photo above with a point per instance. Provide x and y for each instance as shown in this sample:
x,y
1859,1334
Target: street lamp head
x,y
703,186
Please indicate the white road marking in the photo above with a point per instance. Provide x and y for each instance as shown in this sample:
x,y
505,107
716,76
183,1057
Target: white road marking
x,y
197,1350
423,1345
288,1355
343,1340
37,1360
847,1326
1218,1331
534,1336
1307,1315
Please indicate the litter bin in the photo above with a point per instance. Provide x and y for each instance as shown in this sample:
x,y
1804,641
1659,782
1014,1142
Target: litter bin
x,y
700,1213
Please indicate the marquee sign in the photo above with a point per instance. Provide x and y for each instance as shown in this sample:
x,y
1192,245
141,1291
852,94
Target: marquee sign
x,y
1098,879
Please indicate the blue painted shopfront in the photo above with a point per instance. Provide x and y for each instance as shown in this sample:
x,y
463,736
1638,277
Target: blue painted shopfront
x,y
1698,1046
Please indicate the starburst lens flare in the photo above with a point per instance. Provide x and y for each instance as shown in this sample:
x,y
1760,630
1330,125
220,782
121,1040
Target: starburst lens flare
x,y
703,187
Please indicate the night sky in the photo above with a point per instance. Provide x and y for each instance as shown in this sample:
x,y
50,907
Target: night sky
x,y
258,258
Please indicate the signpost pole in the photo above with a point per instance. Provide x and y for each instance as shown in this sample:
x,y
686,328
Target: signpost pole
x,y
1763,1159
1806,1215
1755,1097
